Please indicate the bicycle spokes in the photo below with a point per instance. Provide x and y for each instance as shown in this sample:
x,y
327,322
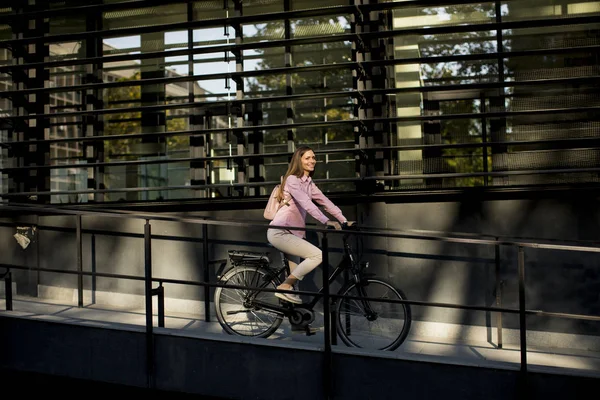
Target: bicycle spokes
x,y
371,323
239,308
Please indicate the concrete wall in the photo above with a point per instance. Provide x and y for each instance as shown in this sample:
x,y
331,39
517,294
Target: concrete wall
x,y
557,281
238,369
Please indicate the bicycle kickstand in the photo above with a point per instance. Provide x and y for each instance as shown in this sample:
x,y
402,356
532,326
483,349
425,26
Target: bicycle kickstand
x,y
310,331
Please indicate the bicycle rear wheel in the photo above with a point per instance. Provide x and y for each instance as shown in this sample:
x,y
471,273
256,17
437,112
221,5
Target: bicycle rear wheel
x,y
236,309
383,329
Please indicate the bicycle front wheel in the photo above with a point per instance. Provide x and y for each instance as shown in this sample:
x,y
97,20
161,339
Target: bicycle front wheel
x,y
237,308
373,324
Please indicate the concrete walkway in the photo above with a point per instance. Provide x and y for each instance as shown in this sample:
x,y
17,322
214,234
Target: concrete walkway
x,y
483,354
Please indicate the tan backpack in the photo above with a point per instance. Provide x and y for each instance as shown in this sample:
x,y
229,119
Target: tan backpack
x,y
273,205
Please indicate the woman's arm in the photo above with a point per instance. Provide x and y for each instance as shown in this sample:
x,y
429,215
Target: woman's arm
x,y
292,185
323,200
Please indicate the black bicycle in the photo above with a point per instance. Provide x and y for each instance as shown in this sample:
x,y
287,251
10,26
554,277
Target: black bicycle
x,y
247,310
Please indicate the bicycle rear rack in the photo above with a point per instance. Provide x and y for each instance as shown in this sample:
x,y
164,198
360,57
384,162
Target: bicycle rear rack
x,y
239,257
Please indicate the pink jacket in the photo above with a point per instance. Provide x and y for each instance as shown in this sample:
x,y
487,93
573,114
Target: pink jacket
x,y
303,192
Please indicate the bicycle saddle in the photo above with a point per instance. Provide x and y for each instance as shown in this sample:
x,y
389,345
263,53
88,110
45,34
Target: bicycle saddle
x,y
238,256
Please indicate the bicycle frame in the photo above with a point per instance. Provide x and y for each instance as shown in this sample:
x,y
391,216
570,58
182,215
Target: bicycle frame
x,y
345,264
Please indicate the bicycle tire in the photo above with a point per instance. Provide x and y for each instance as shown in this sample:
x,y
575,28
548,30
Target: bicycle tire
x,y
392,325
235,309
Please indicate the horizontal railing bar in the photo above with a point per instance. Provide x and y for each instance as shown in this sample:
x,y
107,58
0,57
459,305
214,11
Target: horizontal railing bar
x,y
563,315
265,289
300,292
309,293
488,236
363,229
236,223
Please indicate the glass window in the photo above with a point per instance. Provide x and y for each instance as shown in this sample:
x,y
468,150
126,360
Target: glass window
x,y
209,98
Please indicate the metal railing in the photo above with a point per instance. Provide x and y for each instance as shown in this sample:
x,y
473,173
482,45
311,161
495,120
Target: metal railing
x,y
521,244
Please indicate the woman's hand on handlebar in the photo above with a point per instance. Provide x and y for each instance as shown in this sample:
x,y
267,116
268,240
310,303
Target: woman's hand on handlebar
x,y
333,224
336,225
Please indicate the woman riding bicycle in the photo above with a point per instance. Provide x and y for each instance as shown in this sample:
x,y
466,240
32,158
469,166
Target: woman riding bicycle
x,y
299,191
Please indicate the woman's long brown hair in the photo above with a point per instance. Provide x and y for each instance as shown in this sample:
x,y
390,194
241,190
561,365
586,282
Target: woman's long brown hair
x,y
295,168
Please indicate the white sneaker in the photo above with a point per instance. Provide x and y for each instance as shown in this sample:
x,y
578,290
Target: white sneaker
x,y
292,298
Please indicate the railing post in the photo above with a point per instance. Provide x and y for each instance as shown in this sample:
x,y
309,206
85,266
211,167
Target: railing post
x,y
79,261
148,290
328,367
346,311
8,285
522,315
93,268
333,321
160,296
498,294
206,272
37,252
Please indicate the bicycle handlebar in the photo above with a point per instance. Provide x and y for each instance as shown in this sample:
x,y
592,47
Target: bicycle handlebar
x,y
354,226
345,225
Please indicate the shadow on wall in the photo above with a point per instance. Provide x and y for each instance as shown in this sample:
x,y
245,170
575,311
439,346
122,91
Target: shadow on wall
x,y
558,281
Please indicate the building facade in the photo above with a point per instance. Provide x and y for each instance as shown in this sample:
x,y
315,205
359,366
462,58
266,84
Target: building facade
x,y
208,99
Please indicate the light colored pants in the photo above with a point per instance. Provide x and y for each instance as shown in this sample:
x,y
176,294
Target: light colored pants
x,y
291,244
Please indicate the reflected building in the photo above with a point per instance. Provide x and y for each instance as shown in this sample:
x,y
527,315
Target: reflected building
x,y
75,179
70,153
